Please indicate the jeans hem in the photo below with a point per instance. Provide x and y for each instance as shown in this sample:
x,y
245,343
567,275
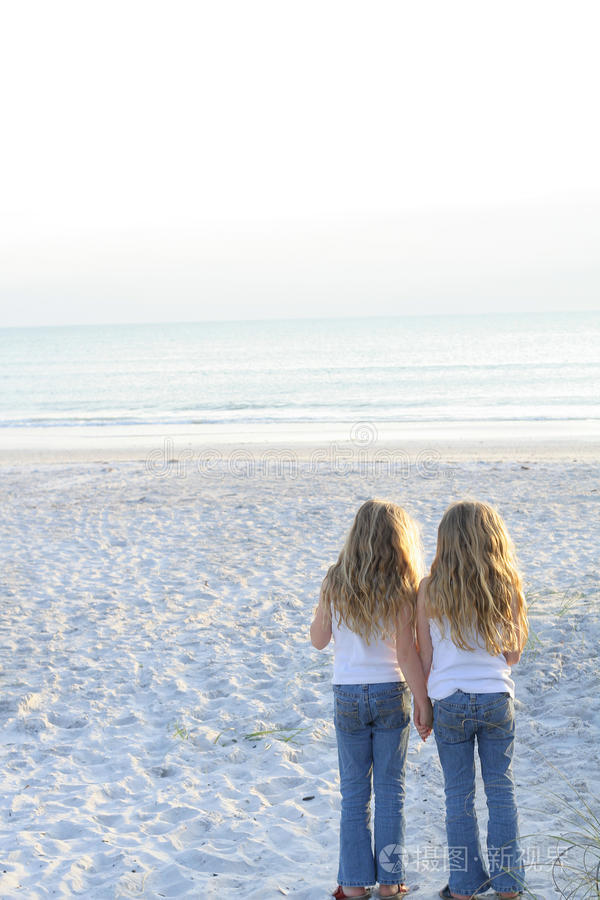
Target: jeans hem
x,y
511,889
480,889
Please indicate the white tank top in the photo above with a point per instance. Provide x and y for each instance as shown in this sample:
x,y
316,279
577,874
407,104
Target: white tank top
x,y
356,662
472,671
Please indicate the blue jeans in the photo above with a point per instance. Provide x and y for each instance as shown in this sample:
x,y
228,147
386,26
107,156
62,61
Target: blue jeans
x,y
457,720
371,726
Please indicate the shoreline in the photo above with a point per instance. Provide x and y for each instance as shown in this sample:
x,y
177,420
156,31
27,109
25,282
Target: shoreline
x,y
336,443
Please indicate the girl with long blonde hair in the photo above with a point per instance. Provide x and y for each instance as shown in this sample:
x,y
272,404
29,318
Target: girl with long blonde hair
x,y
471,627
368,605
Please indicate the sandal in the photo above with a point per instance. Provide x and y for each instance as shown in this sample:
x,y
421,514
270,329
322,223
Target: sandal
x,y
402,889
340,894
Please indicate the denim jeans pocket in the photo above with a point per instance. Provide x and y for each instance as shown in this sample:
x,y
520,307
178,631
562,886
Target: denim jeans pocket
x,y
393,708
345,714
499,717
449,724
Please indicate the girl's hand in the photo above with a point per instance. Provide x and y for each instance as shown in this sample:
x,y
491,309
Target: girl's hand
x,y
423,718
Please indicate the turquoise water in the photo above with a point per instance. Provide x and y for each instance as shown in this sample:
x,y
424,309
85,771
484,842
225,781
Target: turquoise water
x,y
445,368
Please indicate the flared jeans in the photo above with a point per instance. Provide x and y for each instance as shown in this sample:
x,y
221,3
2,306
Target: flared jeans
x,y
372,723
459,721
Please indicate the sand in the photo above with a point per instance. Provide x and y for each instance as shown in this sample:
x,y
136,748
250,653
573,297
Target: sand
x,y
167,725
335,443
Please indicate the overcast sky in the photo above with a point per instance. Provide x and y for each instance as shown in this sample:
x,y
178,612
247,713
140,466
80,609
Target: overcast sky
x,y
202,160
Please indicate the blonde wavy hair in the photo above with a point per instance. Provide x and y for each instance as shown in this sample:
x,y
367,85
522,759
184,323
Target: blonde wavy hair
x,y
474,582
377,572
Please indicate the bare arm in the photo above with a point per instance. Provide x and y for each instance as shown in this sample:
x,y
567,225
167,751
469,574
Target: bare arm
x,y
423,634
320,629
410,663
512,657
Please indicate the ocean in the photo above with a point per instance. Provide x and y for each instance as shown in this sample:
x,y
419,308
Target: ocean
x,y
529,367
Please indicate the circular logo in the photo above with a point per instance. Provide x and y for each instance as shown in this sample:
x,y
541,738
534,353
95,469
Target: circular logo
x,y
390,858
363,433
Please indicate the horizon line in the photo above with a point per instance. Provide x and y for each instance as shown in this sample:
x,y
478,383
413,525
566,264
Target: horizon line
x,y
330,318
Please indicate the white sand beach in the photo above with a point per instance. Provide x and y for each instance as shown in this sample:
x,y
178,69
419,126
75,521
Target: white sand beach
x,y
167,725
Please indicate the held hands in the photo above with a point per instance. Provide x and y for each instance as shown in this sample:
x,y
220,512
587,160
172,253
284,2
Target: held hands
x,y
423,718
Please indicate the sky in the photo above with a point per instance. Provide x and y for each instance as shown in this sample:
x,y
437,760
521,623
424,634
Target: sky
x,y
211,160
